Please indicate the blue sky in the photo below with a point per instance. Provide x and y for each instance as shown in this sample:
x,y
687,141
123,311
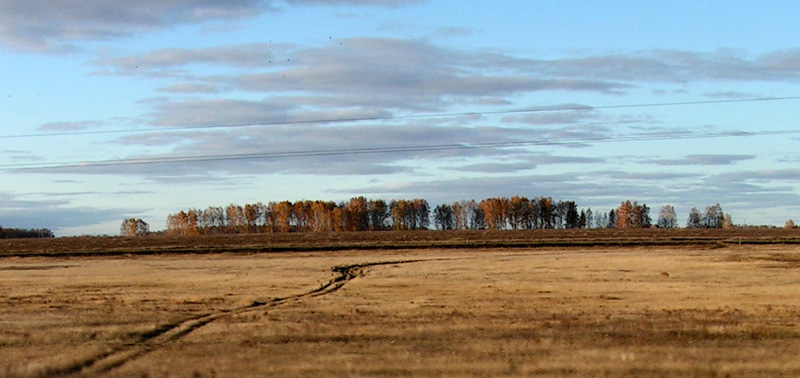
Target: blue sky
x,y
95,80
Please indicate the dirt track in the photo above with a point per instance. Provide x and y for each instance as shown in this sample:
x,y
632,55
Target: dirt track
x,y
172,332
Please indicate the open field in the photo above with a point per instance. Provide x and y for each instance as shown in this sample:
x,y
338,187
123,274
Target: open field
x,y
710,308
385,240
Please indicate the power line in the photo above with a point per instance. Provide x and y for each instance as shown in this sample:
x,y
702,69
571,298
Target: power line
x,y
377,150
396,117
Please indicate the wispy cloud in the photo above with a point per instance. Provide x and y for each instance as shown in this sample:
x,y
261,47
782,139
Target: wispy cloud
x,y
52,214
729,95
190,88
703,160
173,61
554,117
517,161
790,175
54,26
401,68
677,66
386,72
319,149
70,126
381,74
41,25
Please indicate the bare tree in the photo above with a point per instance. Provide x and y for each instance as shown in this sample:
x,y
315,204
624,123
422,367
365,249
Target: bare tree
x,y
667,217
465,215
714,217
695,219
589,221
212,220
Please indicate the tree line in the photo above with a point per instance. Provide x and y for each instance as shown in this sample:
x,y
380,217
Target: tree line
x,y
359,214
21,233
362,214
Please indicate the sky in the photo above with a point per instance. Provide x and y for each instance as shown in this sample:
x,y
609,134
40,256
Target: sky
x,y
111,110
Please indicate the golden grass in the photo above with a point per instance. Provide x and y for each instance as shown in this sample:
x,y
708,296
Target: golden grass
x,y
571,311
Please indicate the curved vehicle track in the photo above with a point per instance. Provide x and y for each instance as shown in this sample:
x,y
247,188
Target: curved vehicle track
x,y
151,341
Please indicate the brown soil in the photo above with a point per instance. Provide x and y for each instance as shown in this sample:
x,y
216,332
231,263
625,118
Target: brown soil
x,y
383,240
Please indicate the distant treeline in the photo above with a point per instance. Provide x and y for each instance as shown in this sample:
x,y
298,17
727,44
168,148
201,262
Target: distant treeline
x,y
19,233
361,214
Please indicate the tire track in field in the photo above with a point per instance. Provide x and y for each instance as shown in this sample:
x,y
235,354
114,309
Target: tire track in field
x,y
151,341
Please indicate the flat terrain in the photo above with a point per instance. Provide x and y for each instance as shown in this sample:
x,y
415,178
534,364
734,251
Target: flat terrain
x,y
706,308
387,240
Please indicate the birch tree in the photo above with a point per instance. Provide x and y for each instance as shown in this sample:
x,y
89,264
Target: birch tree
x,y
667,217
133,227
695,219
714,217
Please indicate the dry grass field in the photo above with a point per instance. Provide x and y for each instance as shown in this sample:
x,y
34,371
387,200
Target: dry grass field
x,y
702,309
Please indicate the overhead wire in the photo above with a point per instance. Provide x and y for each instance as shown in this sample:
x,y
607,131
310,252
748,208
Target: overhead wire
x,y
392,117
377,150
